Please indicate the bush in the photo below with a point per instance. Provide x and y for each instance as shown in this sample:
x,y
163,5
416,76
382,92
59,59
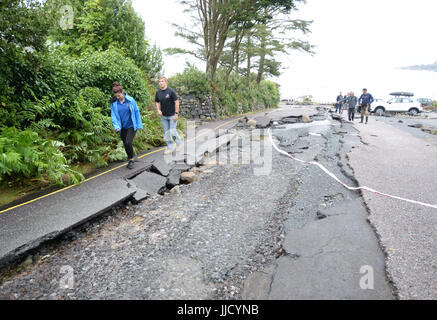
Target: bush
x,y
269,93
191,82
229,101
227,97
26,154
101,69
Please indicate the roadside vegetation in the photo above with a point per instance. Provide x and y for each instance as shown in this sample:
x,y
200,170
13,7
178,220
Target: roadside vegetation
x,y
228,97
58,66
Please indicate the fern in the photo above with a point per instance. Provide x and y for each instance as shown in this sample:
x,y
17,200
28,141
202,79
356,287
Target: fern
x,y
26,154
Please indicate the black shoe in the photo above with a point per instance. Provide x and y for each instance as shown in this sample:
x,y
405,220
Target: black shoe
x,y
130,165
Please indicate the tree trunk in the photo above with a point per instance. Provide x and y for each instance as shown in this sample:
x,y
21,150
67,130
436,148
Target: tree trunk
x,y
237,61
262,56
262,61
249,57
234,57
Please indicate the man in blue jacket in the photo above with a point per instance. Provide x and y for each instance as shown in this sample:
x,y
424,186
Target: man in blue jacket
x,y
126,119
365,101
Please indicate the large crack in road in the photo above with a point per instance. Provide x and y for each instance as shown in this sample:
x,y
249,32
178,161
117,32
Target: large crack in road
x,y
290,234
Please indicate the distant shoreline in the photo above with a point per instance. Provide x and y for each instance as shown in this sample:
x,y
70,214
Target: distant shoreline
x,y
423,67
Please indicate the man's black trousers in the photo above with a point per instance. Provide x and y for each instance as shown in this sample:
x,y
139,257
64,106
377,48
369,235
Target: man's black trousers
x,y
128,135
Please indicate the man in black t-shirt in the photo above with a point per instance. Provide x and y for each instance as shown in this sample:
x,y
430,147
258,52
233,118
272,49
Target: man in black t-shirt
x,y
167,104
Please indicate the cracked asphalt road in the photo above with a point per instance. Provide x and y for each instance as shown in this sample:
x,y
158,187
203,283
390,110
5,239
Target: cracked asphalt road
x,y
290,234
400,160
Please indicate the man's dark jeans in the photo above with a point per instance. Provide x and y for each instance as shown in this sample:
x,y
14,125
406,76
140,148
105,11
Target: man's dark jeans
x,y
351,114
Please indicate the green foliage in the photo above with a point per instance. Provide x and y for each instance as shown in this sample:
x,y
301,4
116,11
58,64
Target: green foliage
x,y
151,134
101,69
25,153
191,82
228,97
24,28
269,93
100,25
229,101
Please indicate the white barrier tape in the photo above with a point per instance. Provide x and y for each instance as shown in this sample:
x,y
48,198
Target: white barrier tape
x,y
344,184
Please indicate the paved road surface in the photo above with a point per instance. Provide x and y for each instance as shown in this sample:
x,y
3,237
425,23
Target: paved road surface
x,y
401,161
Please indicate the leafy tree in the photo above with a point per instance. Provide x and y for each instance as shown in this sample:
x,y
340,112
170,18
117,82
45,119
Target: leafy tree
x,y
101,69
104,24
273,36
221,20
20,44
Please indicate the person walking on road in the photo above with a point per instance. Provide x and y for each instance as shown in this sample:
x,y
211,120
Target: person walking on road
x,y
126,119
343,103
339,104
365,102
167,105
351,103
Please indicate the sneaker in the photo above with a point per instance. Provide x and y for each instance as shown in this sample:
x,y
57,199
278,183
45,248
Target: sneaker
x,y
130,165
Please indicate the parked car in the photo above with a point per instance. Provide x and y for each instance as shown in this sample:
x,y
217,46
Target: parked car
x,y
425,101
287,101
399,103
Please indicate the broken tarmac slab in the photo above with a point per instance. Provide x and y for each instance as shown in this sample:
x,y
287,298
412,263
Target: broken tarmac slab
x,y
150,182
140,195
23,230
174,178
208,147
257,285
161,167
138,168
417,125
263,122
337,117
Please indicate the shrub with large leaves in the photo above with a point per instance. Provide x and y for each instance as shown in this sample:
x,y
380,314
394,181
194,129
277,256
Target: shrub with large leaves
x,y
101,69
26,154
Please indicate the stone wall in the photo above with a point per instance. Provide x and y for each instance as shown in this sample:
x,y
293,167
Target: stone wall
x,y
192,107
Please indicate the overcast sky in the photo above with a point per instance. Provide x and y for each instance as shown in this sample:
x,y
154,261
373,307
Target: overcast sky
x,y
358,44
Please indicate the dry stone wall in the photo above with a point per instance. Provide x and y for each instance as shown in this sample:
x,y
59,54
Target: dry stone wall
x,y
192,107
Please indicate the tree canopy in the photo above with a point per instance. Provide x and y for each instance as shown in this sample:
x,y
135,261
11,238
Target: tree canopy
x,y
104,24
223,24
